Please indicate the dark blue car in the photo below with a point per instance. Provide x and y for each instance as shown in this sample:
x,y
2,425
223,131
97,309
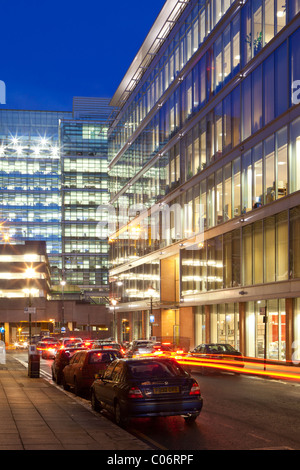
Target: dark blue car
x,y
146,387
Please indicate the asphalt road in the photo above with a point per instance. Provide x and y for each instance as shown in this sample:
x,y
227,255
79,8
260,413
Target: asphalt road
x,y
239,413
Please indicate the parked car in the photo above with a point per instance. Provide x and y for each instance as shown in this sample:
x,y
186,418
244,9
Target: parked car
x,y
79,374
218,353
140,347
62,358
146,387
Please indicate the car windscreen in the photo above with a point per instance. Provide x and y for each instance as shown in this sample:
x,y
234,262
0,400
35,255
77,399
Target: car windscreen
x,y
220,348
155,369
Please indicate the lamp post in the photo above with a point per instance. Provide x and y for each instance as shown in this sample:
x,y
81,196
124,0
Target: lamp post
x,y
63,283
114,303
151,293
30,272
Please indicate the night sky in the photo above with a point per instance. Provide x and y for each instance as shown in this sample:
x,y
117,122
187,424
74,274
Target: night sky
x,y
54,50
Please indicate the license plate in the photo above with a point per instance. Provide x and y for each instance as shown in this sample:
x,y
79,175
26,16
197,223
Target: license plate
x,y
158,390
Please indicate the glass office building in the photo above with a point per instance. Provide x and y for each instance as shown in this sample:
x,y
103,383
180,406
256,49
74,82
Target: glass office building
x,y
204,169
30,180
83,142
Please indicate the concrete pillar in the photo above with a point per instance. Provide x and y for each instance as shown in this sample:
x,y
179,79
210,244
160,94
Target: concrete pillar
x,y
7,334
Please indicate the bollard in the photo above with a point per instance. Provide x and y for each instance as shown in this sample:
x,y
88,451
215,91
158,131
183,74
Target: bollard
x,y
33,362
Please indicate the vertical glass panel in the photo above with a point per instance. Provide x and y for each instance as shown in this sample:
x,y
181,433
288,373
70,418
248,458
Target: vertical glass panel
x,y
281,80
203,203
211,200
196,88
295,243
189,155
269,171
246,46
268,87
269,249
294,166
202,144
236,170
282,236
236,258
294,8
247,255
257,25
219,196
227,123
218,130
258,252
210,134
202,80
236,116
273,329
295,65
257,99
227,259
257,176
246,108
196,141
282,170
227,54
280,16
218,63
227,192
282,331
236,55
214,263
269,20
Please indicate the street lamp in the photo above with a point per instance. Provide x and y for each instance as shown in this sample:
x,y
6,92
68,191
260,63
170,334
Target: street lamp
x,y
30,272
63,283
114,303
151,293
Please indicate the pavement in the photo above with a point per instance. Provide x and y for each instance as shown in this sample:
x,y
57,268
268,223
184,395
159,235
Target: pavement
x,y
37,415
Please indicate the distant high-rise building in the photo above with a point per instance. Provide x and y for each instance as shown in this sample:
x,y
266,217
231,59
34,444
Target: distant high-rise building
x,y
84,160
30,180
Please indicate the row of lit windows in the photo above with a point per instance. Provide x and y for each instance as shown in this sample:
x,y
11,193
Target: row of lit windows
x,y
258,253
261,20
262,96
263,174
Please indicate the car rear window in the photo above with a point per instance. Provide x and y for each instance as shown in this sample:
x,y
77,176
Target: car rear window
x,y
97,357
155,369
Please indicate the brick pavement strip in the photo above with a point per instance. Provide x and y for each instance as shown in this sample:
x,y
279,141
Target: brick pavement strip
x,y
34,415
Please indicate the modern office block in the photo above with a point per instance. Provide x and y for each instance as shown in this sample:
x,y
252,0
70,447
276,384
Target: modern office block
x,y
83,141
30,179
204,171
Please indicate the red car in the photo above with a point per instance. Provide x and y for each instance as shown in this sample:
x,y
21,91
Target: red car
x,y
79,374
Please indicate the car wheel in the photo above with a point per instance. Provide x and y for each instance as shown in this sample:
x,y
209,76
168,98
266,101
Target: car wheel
x,y
59,378
76,387
120,419
191,418
94,402
65,385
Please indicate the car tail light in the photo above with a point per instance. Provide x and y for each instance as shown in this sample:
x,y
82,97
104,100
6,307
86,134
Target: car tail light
x,y
195,389
135,392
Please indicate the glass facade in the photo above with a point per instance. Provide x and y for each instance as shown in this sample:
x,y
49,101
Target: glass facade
x,y
204,169
30,179
84,189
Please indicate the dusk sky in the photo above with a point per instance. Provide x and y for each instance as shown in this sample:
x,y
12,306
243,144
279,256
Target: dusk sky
x,y
54,50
